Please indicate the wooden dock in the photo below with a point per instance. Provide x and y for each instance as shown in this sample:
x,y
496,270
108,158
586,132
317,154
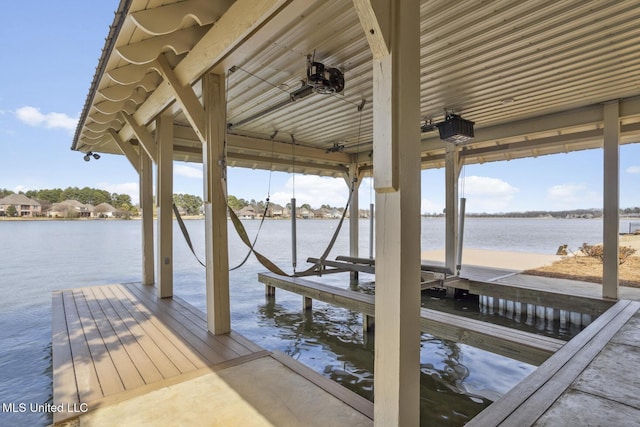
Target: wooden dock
x,y
118,343
563,294
592,380
519,345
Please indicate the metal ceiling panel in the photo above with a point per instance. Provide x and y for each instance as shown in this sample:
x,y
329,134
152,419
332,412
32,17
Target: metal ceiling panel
x,y
496,62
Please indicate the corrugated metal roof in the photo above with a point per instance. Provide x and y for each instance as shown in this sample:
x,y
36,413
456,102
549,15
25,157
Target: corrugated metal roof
x,y
511,67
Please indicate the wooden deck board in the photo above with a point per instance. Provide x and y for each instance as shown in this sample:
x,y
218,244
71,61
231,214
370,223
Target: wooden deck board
x,y
110,381
206,347
64,379
219,343
127,341
147,336
86,376
117,351
176,351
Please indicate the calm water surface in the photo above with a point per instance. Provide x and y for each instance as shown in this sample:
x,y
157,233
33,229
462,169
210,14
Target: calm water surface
x,y
457,381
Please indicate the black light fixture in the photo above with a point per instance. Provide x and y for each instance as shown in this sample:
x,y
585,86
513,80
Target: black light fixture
x,y
90,154
455,129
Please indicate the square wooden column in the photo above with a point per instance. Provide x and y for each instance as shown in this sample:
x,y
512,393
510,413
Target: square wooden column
x,y
164,134
396,156
611,199
354,179
146,205
452,173
215,202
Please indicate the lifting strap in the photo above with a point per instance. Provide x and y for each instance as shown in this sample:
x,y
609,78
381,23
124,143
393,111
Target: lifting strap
x,y
266,262
264,215
269,265
185,233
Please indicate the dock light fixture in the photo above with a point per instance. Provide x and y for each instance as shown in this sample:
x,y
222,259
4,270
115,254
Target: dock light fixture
x,y
455,129
90,154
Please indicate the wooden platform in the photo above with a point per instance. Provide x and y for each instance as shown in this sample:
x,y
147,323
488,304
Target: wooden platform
x,y
519,345
592,380
564,294
115,343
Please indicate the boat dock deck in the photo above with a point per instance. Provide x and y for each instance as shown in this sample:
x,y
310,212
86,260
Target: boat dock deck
x,y
592,380
563,294
123,356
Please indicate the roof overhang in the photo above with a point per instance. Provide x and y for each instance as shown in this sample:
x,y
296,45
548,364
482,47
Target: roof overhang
x,y
532,76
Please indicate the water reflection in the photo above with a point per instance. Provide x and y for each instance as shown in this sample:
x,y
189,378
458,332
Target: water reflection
x,y
331,340
328,338
536,319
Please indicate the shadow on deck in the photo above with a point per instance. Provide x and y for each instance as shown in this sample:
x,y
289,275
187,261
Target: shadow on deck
x,y
120,353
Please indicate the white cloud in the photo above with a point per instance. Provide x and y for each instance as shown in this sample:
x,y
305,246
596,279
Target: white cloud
x,y
188,171
19,188
573,196
428,206
486,194
314,190
633,169
33,117
130,188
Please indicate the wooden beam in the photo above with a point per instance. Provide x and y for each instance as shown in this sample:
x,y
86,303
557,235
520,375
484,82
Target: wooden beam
x,y
185,96
144,137
300,165
611,205
241,19
164,133
239,142
127,149
215,201
375,18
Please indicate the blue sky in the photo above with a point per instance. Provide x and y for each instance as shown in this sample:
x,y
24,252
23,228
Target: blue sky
x,y
51,50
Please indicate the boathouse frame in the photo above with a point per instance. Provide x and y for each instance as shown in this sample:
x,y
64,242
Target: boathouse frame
x,y
170,84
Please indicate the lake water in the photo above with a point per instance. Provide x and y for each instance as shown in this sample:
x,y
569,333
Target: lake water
x,y
457,381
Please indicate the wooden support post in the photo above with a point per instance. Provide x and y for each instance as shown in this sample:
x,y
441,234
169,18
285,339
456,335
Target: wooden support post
x,y
353,179
451,205
269,291
307,303
164,132
372,217
215,197
611,220
392,29
368,323
146,205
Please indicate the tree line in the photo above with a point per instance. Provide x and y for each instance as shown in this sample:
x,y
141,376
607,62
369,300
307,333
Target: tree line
x,y
86,195
236,204
573,213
